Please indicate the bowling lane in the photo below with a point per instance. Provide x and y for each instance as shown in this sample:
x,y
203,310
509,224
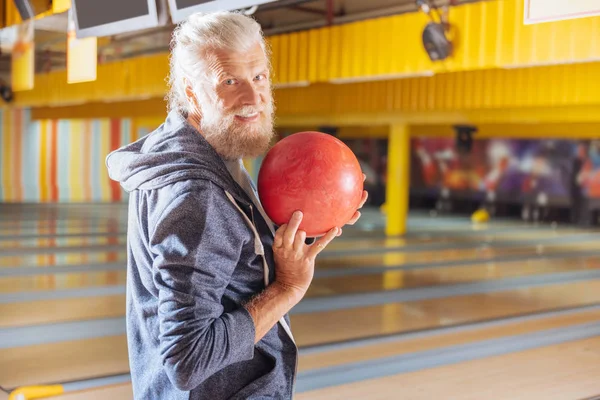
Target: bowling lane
x,y
63,361
564,371
61,310
112,392
35,283
321,287
13,211
31,313
430,237
449,254
61,259
46,363
426,277
54,242
404,344
346,324
73,233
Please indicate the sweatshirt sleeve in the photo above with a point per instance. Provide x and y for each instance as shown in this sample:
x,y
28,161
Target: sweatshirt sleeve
x,y
196,250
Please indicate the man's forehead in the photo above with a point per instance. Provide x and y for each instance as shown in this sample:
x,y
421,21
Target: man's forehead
x,y
254,57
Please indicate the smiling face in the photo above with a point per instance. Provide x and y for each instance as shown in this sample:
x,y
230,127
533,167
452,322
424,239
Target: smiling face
x,y
234,103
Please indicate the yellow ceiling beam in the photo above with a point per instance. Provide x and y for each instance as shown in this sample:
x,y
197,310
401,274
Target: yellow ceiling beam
x,y
150,109
532,115
491,46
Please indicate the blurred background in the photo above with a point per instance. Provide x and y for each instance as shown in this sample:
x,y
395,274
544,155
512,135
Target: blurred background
x,y
474,272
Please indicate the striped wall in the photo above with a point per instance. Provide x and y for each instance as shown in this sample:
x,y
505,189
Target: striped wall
x,y
59,160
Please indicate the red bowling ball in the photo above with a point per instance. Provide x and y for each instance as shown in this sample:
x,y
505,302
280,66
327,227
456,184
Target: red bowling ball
x,y
315,173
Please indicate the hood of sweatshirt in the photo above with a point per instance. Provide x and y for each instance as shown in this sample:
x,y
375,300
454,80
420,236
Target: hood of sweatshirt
x,y
175,151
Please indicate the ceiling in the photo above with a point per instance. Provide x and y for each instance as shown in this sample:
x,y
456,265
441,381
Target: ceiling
x,y
279,17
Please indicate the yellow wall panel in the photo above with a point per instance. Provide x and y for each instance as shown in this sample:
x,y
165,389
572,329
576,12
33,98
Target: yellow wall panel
x,y
333,59
491,89
284,59
582,49
324,55
313,52
487,35
293,61
369,48
358,49
302,55
273,42
347,40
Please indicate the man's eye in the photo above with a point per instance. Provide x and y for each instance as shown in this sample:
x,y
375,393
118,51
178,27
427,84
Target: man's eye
x,y
260,77
230,82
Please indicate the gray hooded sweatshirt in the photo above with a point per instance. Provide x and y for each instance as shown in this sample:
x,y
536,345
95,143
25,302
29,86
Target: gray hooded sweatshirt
x,y
197,250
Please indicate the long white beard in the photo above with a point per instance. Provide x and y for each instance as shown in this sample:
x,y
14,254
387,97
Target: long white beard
x,y
233,139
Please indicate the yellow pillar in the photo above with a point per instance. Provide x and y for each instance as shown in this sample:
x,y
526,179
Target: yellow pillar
x,y
397,191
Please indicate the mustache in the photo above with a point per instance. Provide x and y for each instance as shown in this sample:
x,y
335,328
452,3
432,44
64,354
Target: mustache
x,y
246,110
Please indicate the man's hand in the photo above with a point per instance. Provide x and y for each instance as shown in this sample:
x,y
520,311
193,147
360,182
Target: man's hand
x,y
294,270
294,259
357,214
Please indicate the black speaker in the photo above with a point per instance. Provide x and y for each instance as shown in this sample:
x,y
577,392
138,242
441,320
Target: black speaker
x,y
436,44
6,93
464,138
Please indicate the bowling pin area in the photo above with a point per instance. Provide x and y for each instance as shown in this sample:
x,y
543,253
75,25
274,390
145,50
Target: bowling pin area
x,y
453,310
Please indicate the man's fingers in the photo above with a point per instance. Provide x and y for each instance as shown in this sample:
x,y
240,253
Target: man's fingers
x,y
320,244
299,241
354,218
365,196
278,239
292,228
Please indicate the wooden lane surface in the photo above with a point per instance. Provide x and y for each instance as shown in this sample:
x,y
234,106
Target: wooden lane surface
x,y
341,325
117,354
450,238
395,280
81,280
355,244
100,227
477,245
36,312
113,392
61,242
63,361
399,258
62,310
411,345
393,258
559,372
62,259
332,286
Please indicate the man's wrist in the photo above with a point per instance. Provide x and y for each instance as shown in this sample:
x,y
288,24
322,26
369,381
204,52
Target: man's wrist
x,y
292,293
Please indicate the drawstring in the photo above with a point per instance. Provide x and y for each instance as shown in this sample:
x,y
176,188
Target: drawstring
x,y
260,250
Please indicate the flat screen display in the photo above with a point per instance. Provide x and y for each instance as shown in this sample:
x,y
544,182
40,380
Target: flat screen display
x,y
95,13
111,17
181,9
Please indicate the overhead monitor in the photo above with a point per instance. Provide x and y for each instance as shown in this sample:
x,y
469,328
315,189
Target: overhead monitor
x,y
537,11
30,8
181,9
112,17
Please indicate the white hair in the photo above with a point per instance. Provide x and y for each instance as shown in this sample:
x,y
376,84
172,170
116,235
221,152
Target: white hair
x,y
200,32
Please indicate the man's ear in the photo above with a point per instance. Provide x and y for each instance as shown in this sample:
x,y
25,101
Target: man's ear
x,y
190,95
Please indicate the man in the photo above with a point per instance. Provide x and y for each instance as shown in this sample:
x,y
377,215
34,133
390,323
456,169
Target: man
x,y
209,281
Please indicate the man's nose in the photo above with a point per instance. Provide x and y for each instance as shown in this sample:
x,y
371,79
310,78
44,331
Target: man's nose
x,y
249,95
